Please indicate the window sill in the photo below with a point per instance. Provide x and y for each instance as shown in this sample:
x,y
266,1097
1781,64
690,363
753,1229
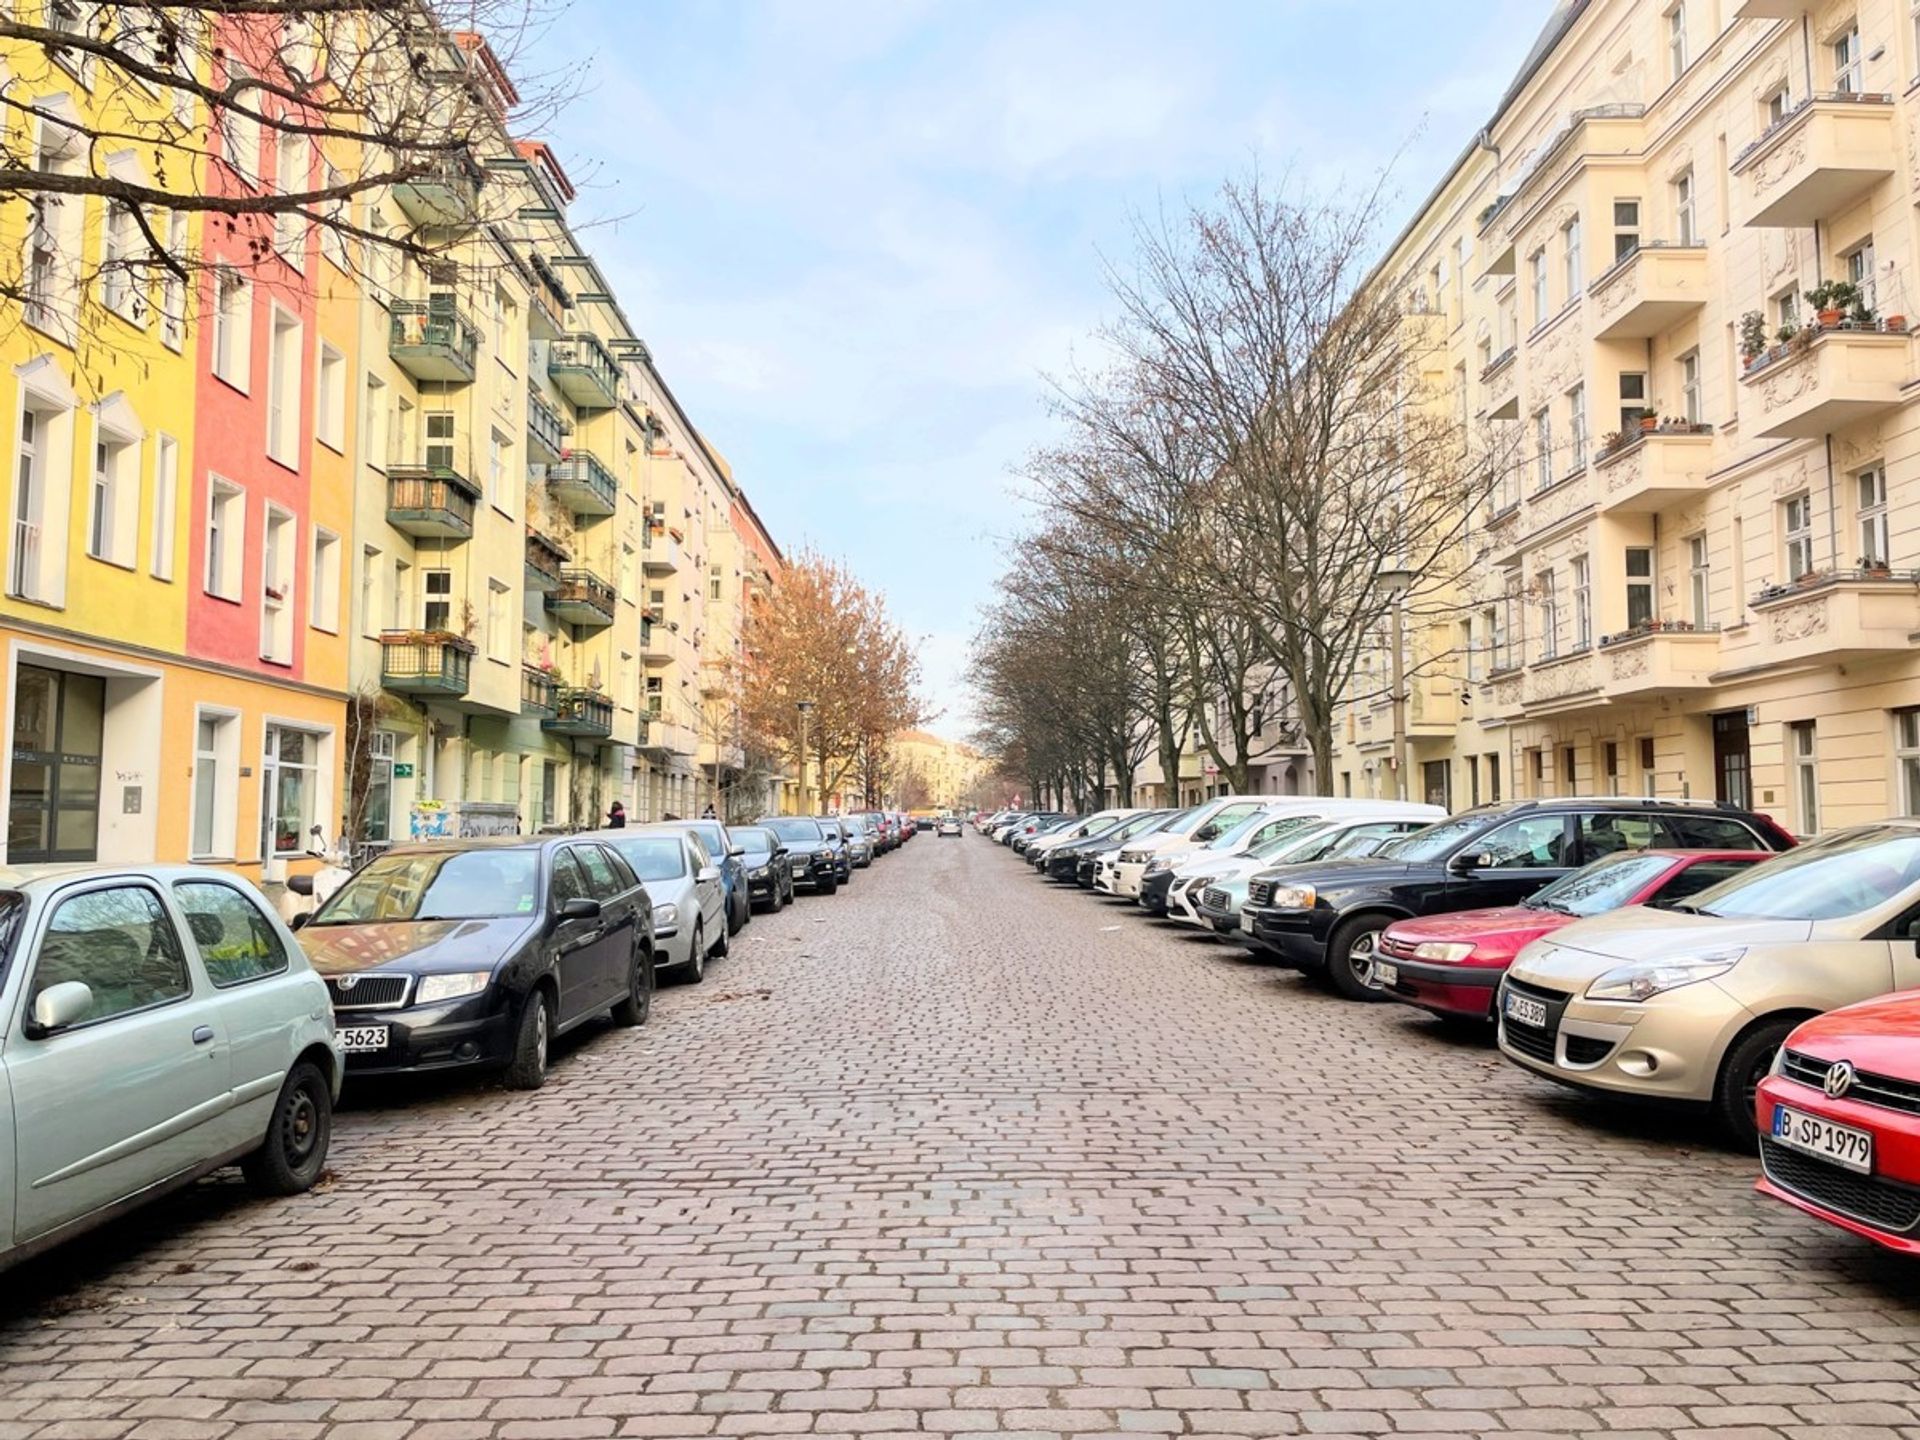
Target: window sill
x,y
59,337
333,630
212,860
239,387
292,467
338,447
276,662
223,599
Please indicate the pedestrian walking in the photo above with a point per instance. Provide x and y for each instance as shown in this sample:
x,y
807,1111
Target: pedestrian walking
x,y
617,817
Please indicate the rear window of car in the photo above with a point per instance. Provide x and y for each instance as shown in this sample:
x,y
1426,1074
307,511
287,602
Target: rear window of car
x,y
796,829
1844,874
654,857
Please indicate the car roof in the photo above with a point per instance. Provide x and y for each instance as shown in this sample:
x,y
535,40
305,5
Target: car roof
x,y
479,842
43,878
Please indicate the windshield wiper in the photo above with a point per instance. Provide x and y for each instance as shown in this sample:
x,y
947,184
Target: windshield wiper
x,y
1680,907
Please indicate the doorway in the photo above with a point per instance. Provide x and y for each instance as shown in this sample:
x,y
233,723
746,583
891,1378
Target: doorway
x,y
1732,759
53,810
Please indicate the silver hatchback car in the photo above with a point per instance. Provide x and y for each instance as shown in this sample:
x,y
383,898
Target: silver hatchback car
x,y
156,1023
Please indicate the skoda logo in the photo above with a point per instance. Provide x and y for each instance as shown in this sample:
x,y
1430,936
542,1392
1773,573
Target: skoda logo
x,y
347,982
1839,1080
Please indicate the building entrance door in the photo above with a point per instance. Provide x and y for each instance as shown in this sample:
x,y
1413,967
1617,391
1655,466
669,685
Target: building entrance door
x,y
1732,760
53,809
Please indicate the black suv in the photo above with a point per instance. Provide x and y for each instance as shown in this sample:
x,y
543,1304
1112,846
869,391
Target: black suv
x,y
1328,917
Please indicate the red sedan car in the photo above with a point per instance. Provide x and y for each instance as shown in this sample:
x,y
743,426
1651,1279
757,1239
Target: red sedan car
x,y
1840,1121
1452,964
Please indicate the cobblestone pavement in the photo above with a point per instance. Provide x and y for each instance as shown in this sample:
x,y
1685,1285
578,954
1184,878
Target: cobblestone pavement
x,y
955,1153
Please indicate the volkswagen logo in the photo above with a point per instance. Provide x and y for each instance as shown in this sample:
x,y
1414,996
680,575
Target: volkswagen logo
x,y
1839,1080
347,982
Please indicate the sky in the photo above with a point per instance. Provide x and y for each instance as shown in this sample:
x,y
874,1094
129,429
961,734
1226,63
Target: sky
x,y
858,234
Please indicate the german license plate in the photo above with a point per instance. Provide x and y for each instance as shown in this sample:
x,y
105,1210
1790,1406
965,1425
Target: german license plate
x,y
1246,922
359,1039
1527,1010
1846,1147
1385,974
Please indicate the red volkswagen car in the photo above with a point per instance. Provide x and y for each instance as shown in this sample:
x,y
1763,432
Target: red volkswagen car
x,y
1839,1121
1451,964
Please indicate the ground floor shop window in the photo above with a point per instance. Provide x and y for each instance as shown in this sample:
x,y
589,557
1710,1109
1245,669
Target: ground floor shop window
x,y
376,823
53,811
289,789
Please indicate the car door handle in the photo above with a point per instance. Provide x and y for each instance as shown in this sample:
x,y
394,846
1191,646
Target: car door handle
x,y
203,1035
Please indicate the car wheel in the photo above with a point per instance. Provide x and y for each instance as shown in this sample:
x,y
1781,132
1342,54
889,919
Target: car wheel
x,y
528,1068
724,944
735,919
637,1004
294,1151
1350,957
695,970
1746,1064
829,885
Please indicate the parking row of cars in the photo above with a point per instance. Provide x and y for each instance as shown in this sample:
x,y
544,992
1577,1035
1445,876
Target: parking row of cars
x,y
157,1023
1676,953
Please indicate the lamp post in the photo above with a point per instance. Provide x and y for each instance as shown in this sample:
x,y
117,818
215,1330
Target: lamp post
x,y
1396,582
805,707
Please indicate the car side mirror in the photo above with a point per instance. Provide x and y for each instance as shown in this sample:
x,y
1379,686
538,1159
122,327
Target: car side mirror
x,y
300,921
737,851
708,872
1469,861
1204,834
300,884
59,1006
580,907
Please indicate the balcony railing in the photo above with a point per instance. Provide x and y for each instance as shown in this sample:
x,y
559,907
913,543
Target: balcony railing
x,y
425,662
583,599
551,301
1817,160
656,643
585,372
446,195
1649,291
547,431
582,482
1825,379
1834,616
545,560
431,340
539,692
659,553
430,501
580,712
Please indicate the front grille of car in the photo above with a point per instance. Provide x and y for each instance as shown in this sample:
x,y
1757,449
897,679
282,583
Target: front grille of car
x,y
1214,898
1393,946
1872,1201
1882,1090
1586,1050
1529,1040
368,992
1260,892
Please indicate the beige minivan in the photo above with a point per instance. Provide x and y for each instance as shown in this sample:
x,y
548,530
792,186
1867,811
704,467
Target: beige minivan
x,y
1690,1004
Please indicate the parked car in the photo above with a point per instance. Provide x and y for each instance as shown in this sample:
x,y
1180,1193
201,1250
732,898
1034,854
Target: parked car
x,y
160,1022
1075,859
769,868
809,851
949,825
840,842
1839,1121
1451,964
1328,920
1688,1005
859,841
1189,831
1211,893
1042,830
724,851
1028,825
1041,846
688,893
479,952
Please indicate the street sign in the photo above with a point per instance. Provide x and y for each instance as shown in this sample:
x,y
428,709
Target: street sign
x,y
402,770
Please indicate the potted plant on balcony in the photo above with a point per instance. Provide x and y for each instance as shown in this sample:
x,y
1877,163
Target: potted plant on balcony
x,y
1650,418
1612,441
1753,337
1874,568
1832,300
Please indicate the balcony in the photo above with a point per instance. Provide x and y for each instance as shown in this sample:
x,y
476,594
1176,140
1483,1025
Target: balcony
x,y
551,301
545,561
431,340
1835,616
1650,470
580,712
539,692
584,371
1649,292
1769,9
446,195
1660,658
659,553
431,501
1565,682
1824,381
547,431
656,643
1501,377
1829,152
584,484
582,598
425,662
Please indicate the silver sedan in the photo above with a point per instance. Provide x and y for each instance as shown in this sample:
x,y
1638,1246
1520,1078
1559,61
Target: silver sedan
x,y
689,901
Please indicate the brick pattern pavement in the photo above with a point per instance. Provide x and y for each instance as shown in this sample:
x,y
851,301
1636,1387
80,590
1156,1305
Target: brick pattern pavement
x,y
956,1154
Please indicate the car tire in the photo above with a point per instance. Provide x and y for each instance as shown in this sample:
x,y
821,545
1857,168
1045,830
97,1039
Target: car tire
x,y
734,918
1746,1062
294,1153
637,1005
1350,957
829,885
527,1070
725,944
695,970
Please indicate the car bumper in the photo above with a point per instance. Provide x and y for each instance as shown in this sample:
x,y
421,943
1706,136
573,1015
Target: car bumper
x,y
1222,922
1445,989
1127,878
1882,1206
1294,935
1183,902
1666,1050
451,1036
1153,892
763,890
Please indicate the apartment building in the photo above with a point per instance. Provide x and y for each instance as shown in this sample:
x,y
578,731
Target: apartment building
x,y
1702,580
945,771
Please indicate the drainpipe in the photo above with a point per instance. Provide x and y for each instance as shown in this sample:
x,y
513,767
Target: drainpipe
x,y
1833,511
1806,50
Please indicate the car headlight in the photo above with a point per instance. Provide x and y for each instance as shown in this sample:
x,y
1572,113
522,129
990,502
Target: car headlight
x,y
1159,867
434,988
1448,953
1644,979
1132,857
1294,897
664,915
759,872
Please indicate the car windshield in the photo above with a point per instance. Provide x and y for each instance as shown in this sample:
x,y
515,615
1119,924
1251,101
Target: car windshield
x,y
437,885
1602,886
1230,838
754,839
1303,844
653,857
1842,874
709,833
794,829
1436,840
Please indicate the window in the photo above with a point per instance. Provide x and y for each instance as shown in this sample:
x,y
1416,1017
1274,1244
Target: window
x,y
240,133
1640,609
289,789
1796,523
437,612
1610,763
1582,603
330,400
499,462
1493,778
441,452
1538,264
226,526
497,620
1497,631
236,942
1684,232
1543,447
373,423
1870,488
1570,239
1633,400
1535,842
166,496
39,510
376,817
1778,106
1626,228
1699,582
1569,773
1577,427
1906,754
215,753
323,585
120,271
714,578
1806,778
1677,42
333,243
276,587
1786,309
290,164
1549,615
656,696
1690,387
1848,73
1473,780
101,506
397,596
73,17
1860,272
119,943
232,326
369,590
283,390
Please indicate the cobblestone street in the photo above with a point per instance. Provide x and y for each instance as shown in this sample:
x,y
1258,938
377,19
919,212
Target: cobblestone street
x,y
955,1152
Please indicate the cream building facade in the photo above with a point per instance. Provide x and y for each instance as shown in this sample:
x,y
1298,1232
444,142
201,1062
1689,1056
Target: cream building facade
x,y
949,769
1721,602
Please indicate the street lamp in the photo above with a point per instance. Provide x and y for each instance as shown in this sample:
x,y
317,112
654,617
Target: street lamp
x,y
1396,582
805,707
